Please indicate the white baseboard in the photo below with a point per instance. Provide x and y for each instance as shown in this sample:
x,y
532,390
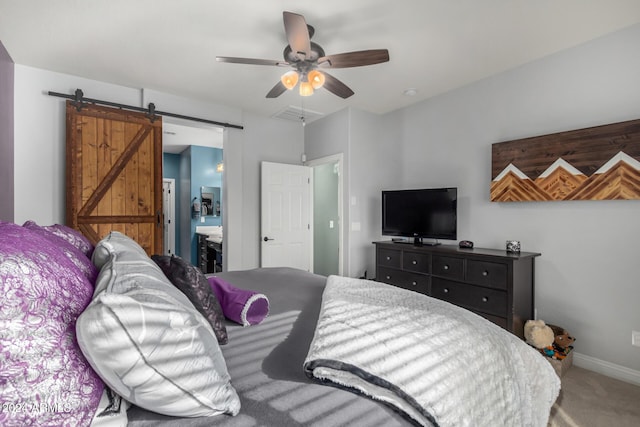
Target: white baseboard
x,y
607,368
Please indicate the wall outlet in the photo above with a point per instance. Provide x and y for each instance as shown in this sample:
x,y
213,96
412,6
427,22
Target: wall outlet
x,y
635,338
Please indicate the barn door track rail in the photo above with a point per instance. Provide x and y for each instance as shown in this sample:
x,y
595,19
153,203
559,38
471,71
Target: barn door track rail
x,y
79,101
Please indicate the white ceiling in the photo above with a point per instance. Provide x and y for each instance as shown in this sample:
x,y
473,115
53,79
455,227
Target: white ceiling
x,y
170,46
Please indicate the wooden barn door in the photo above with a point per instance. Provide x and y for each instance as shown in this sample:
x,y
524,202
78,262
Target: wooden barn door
x,y
114,174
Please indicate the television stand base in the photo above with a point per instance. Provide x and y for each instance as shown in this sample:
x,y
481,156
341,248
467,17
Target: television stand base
x,y
417,241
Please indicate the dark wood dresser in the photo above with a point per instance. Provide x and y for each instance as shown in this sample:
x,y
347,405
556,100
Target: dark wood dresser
x,y
495,284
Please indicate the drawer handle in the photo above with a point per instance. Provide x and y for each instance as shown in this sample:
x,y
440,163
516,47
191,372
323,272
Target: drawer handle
x,y
485,299
446,267
414,262
446,290
388,258
388,277
485,273
414,283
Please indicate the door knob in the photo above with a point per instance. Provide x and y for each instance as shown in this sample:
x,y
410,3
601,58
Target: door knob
x,y
266,239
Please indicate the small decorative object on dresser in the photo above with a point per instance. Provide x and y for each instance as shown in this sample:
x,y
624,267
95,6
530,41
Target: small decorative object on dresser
x,y
513,246
494,284
466,244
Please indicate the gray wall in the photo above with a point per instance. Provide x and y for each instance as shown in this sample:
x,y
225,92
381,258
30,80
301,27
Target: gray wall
x,y
268,140
371,152
6,135
586,278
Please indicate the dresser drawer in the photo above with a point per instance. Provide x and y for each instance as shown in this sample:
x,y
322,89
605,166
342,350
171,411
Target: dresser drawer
x,y
404,279
475,298
449,267
413,261
389,258
485,273
500,321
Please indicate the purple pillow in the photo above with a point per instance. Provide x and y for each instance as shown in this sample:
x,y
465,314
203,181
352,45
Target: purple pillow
x,y
42,293
78,258
240,305
192,282
74,237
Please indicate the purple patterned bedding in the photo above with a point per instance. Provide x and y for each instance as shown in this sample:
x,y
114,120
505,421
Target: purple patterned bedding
x,y
44,377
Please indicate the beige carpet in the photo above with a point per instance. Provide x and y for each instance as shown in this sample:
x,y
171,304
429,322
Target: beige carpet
x,y
588,399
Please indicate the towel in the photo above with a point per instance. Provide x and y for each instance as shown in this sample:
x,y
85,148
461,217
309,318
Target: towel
x,y
240,305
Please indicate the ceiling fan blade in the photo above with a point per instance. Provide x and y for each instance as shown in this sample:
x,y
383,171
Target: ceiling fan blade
x,y
297,32
251,61
355,59
276,91
336,87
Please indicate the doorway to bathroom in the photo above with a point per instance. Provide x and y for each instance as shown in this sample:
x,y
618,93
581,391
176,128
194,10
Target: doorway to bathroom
x,y
328,228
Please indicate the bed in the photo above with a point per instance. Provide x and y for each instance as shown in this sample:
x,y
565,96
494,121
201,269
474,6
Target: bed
x,y
281,367
331,352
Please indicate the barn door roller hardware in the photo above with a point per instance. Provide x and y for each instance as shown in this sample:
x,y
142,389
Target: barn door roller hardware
x,y
79,101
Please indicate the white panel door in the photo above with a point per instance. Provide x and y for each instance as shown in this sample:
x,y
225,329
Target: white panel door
x,y
286,216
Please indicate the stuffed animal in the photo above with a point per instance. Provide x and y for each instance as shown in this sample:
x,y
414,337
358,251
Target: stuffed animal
x,y
562,342
540,336
562,338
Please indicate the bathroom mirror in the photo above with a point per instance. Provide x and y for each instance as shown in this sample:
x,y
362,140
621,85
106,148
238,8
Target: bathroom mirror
x,y
210,197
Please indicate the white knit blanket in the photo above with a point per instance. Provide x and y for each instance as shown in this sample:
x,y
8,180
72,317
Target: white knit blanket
x,y
439,364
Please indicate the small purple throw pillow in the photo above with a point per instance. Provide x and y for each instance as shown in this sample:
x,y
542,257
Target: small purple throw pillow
x,y
240,305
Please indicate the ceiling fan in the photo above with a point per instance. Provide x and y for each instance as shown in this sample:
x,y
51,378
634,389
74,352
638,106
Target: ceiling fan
x,y
308,58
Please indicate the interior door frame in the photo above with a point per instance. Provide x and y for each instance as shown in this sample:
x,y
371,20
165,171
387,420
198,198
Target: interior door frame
x,y
169,210
339,159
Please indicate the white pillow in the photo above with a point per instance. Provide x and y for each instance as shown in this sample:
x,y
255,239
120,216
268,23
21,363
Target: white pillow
x,y
150,345
116,242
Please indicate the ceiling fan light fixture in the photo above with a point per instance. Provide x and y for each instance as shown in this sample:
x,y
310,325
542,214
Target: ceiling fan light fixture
x,y
289,79
316,78
306,89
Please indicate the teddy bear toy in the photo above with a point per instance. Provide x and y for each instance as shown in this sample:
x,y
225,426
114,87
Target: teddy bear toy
x,y
539,335
562,342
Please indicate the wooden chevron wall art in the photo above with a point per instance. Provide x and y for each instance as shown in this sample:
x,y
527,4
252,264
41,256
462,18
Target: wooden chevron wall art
x,y
596,163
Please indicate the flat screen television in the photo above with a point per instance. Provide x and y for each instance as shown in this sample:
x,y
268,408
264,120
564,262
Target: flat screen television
x,y
429,213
